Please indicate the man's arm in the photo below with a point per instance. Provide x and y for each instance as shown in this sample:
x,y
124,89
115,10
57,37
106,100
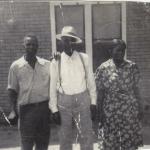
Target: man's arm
x,y
13,87
91,83
53,86
91,86
13,99
53,92
13,116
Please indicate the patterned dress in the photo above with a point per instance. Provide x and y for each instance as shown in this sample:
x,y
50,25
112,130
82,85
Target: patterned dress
x,y
122,128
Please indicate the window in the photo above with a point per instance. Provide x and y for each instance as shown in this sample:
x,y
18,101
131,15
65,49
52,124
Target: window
x,y
106,26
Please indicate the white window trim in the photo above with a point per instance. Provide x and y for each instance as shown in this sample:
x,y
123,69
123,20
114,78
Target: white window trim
x,y
53,26
88,33
124,24
88,23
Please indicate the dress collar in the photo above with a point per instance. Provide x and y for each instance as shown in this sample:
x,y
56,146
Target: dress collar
x,y
122,65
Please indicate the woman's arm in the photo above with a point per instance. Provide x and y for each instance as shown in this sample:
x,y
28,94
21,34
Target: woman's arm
x,y
136,77
100,100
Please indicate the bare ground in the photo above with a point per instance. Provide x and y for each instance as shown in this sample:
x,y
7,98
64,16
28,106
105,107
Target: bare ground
x,y
9,136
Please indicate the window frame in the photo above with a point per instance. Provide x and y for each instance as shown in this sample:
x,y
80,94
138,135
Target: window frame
x,y
88,23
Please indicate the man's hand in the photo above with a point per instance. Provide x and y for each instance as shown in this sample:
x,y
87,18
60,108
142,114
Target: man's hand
x,y
93,112
55,56
13,118
56,118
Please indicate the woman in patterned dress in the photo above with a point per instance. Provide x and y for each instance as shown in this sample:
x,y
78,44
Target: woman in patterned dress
x,y
119,101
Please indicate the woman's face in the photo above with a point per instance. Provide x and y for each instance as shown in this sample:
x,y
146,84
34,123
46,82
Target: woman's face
x,y
118,53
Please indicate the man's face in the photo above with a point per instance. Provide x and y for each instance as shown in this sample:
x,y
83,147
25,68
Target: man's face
x,y
68,44
31,46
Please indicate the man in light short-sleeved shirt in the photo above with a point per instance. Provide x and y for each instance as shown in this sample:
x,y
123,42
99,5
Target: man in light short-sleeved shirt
x,y
28,86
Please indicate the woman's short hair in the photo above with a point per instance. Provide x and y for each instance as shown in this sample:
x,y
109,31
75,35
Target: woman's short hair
x,y
119,42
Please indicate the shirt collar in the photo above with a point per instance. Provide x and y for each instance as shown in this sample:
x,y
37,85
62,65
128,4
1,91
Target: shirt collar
x,y
23,62
40,60
66,57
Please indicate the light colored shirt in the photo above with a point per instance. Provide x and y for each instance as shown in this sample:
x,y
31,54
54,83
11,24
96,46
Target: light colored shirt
x,y
32,85
72,76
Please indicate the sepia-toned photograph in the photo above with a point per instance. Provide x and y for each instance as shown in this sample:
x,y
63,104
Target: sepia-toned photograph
x,y
74,75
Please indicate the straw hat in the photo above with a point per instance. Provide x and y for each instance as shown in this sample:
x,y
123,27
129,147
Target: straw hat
x,y
70,32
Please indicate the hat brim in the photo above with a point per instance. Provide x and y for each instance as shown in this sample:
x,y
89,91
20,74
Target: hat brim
x,y
77,39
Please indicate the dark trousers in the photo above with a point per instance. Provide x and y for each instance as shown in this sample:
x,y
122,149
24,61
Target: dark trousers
x,y
34,126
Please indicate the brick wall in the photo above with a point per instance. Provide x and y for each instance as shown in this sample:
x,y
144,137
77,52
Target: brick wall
x,y
27,17
138,41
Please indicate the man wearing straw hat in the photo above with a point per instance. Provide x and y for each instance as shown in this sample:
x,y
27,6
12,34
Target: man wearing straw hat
x,y
72,92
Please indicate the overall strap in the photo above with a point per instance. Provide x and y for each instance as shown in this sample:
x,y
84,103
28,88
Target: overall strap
x,y
59,74
81,57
